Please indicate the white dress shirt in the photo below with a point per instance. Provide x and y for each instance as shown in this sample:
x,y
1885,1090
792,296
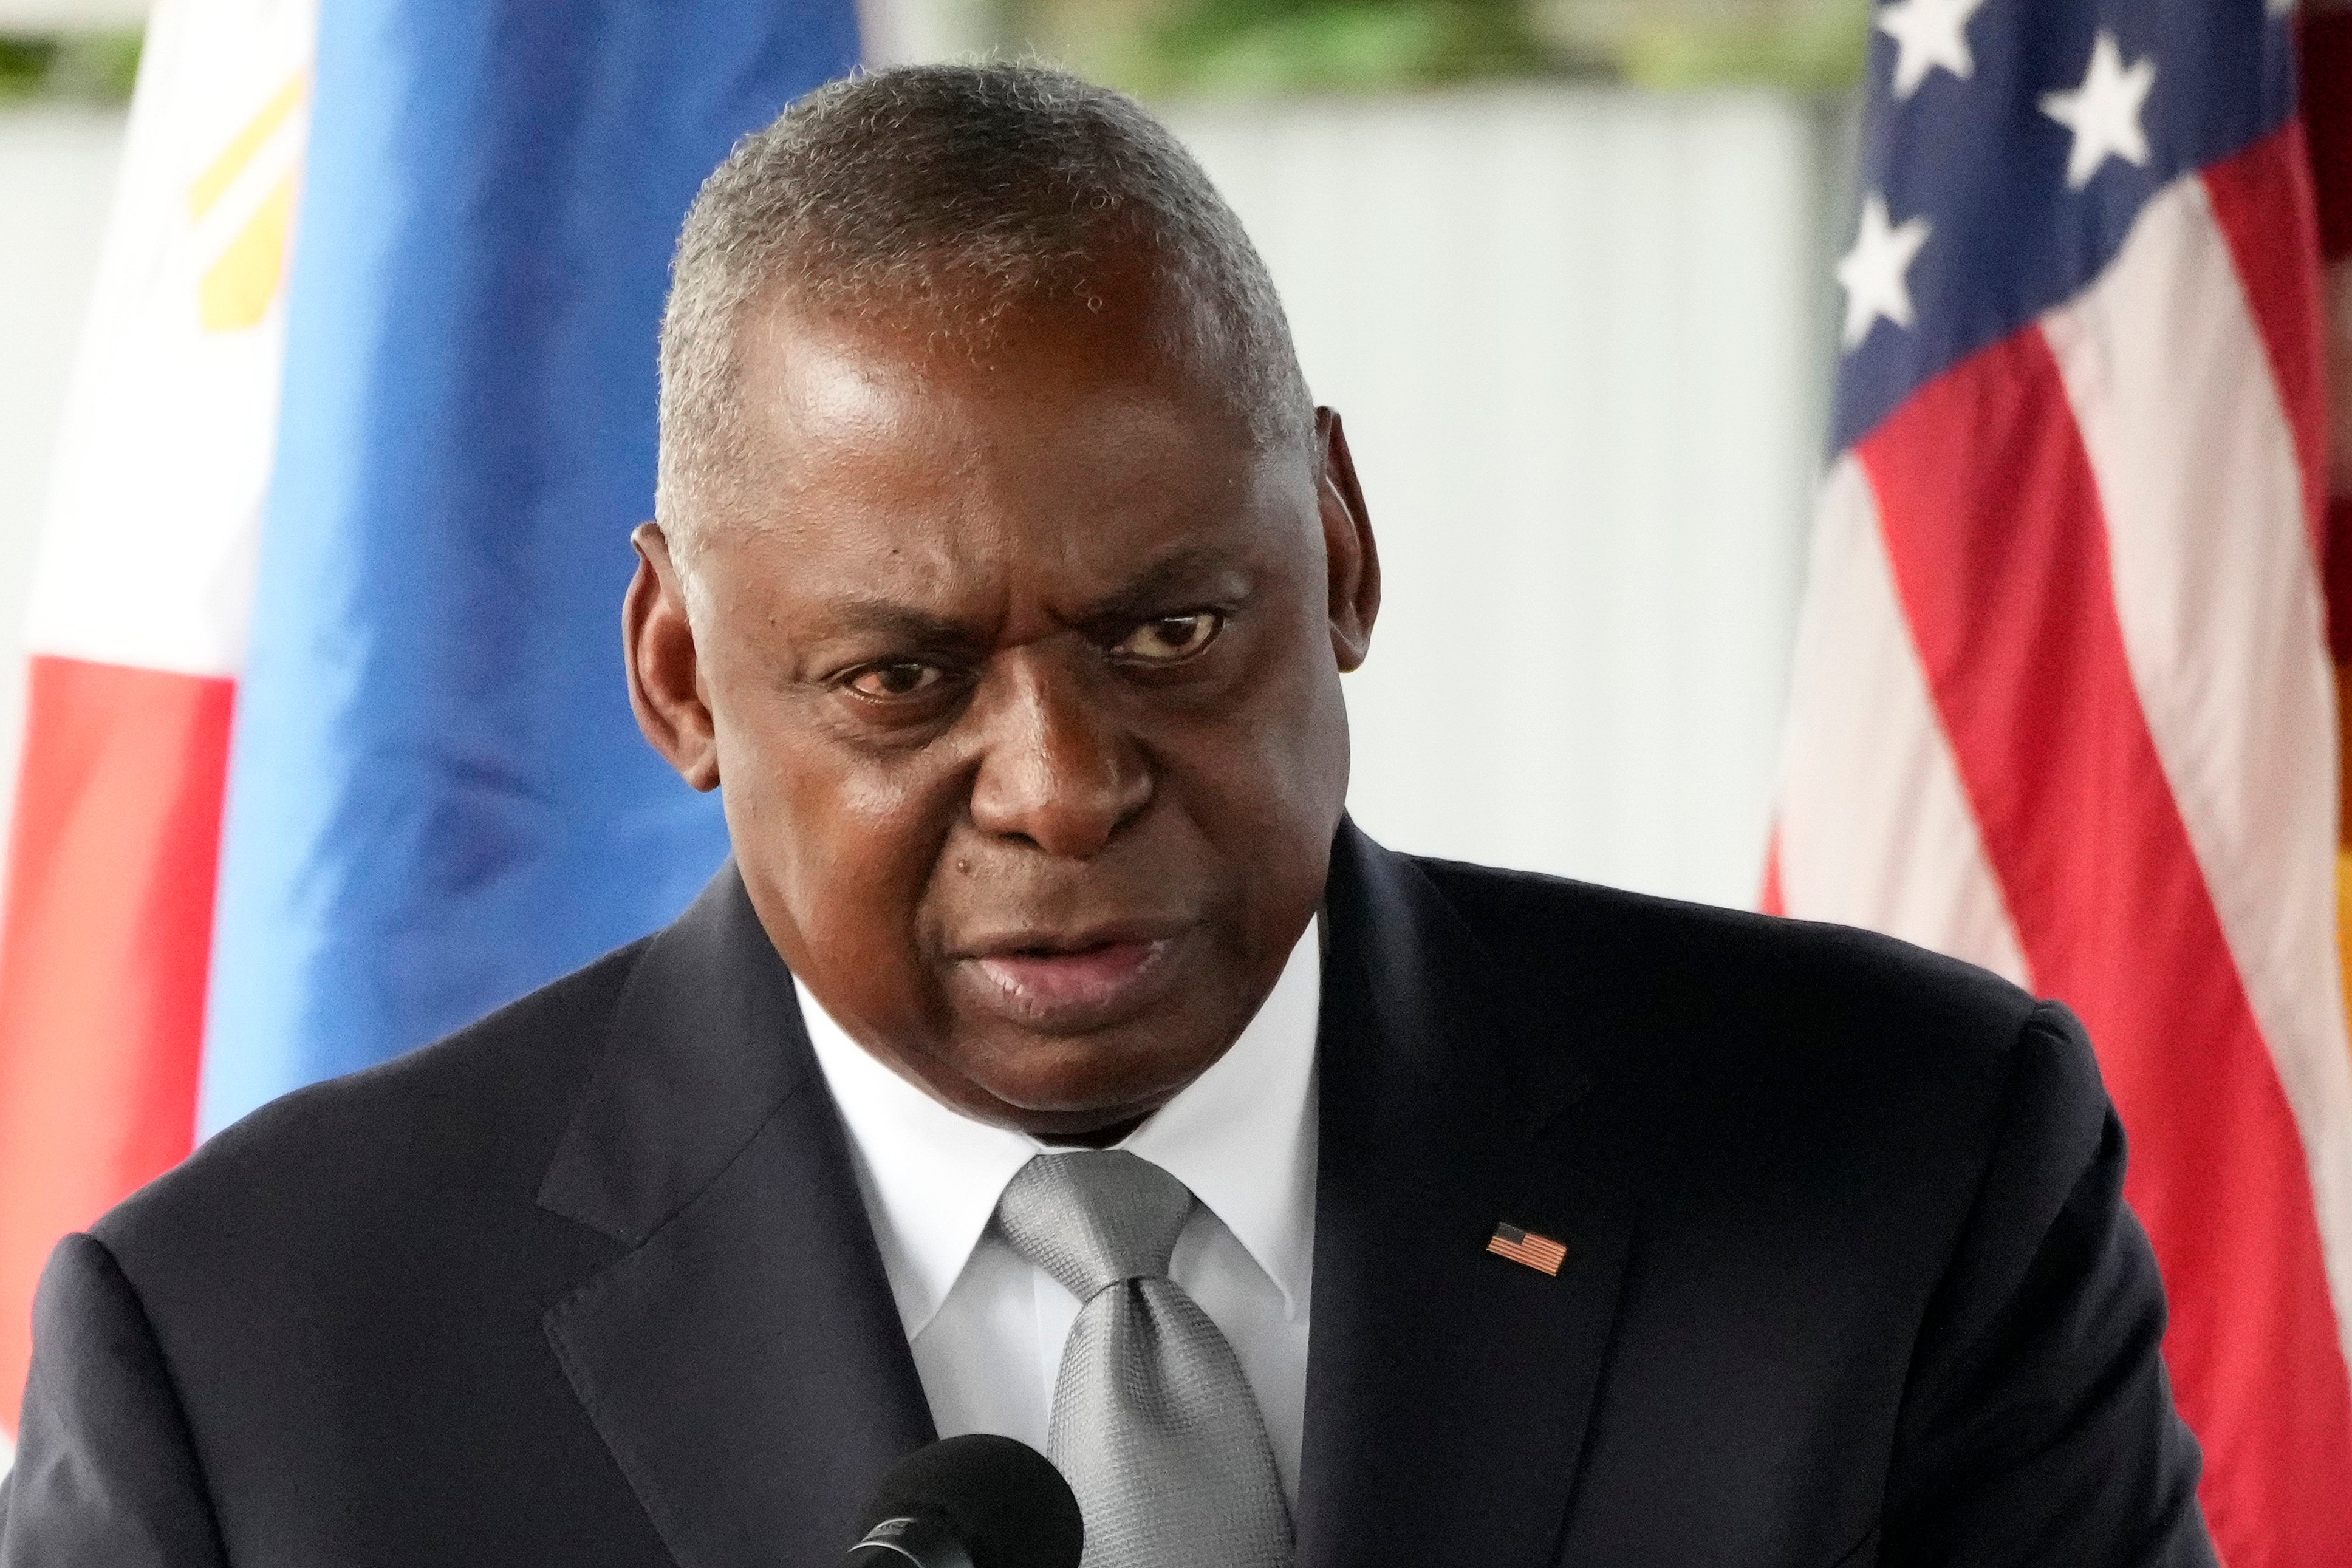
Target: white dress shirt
x,y
987,1327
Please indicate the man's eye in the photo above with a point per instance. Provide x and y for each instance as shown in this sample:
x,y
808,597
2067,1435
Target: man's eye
x,y
902,680
1171,637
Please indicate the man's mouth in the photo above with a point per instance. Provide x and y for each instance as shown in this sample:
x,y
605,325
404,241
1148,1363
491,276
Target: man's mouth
x,y
1049,982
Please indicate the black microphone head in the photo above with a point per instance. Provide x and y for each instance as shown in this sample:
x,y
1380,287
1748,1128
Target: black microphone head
x,y
1002,1501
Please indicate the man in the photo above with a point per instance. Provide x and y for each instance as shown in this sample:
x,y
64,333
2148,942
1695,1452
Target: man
x,y
1054,1059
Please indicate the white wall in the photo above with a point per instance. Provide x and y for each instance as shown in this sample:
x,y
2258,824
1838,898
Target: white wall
x,y
1574,339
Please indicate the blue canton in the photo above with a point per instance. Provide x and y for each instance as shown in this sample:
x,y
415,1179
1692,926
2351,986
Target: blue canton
x,y
1984,159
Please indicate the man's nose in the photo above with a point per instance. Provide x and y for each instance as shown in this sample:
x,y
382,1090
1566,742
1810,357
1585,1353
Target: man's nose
x,y
1056,769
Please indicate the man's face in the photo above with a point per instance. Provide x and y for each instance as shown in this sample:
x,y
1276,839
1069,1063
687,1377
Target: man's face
x,y
1020,672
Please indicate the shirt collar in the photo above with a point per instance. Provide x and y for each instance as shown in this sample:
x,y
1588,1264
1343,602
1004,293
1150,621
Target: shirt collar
x,y
1242,1136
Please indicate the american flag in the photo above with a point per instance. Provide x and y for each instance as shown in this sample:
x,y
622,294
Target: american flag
x,y
2062,702
1536,1250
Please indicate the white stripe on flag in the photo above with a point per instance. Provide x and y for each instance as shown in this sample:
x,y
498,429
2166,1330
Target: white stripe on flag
x,y
168,429
2220,603
1875,829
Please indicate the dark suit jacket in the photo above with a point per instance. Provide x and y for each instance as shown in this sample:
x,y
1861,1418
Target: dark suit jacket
x,y
1849,1276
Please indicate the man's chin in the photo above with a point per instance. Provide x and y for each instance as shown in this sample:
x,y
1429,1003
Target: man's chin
x,y
1064,1087
1079,1107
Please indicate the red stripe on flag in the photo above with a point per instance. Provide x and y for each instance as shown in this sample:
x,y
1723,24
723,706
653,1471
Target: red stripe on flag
x,y
2007,587
2262,204
104,955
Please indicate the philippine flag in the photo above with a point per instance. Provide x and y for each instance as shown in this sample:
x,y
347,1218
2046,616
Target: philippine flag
x,y
328,750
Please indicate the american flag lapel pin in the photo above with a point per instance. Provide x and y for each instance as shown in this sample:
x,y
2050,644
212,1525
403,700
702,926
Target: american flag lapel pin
x,y
1540,1253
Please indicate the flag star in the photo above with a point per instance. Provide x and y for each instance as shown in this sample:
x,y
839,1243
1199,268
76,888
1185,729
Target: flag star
x,y
1875,274
1928,33
2103,113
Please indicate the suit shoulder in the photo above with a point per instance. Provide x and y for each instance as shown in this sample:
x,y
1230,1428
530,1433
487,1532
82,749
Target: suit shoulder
x,y
1854,1086
1701,964
480,1109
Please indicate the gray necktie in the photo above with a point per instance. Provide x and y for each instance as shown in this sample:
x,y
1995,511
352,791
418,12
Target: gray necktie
x,y
1153,1423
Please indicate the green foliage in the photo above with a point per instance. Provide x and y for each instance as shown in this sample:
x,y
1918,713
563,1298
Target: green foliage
x,y
1819,47
83,68
1265,46
1271,47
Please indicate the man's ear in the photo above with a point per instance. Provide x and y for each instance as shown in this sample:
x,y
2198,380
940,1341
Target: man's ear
x,y
665,672
1354,560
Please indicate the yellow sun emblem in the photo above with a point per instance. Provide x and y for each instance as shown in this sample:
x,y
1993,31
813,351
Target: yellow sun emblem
x,y
238,284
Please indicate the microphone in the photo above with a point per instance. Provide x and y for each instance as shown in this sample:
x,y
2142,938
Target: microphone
x,y
975,1501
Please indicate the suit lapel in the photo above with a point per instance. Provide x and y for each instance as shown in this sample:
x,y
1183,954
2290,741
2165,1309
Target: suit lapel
x,y
743,1360
1448,1389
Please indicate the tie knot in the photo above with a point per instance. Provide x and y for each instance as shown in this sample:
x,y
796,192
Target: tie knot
x,y
1094,1218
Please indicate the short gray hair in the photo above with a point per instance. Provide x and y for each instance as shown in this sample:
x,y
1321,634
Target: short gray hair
x,y
966,189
